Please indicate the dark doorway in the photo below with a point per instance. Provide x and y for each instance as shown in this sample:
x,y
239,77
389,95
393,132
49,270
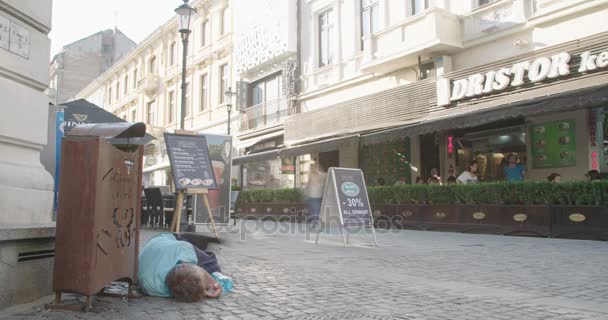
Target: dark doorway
x,y
329,159
429,155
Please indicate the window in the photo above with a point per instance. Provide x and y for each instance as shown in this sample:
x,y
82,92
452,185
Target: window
x,y
484,2
224,27
187,99
110,94
204,33
135,78
203,104
419,5
172,53
427,70
267,106
152,65
326,45
171,107
150,112
117,91
223,82
133,115
369,18
126,84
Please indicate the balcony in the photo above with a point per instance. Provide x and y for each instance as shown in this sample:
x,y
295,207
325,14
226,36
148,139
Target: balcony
x,y
495,17
265,114
150,84
433,31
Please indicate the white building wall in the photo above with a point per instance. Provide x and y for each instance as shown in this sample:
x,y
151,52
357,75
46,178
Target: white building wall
x,y
26,188
156,85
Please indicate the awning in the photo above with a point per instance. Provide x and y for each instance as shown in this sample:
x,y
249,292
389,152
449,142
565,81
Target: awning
x,y
557,99
260,156
319,146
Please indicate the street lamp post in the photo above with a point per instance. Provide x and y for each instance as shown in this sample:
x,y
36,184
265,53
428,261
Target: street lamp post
x,y
229,94
184,13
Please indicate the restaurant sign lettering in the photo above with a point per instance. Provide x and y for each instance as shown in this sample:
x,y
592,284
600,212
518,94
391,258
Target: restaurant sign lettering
x,y
535,70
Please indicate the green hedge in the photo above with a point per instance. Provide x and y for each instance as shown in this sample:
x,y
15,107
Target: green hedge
x,y
526,193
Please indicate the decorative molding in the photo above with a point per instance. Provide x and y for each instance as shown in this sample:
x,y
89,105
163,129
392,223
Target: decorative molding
x,y
28,82
30,21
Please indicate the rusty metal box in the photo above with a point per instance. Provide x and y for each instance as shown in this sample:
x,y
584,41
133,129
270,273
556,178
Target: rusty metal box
x,y
98,214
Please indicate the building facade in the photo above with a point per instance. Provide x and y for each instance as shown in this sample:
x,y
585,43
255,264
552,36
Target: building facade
x,y
80,62
26,188
398,88
145,85
267,70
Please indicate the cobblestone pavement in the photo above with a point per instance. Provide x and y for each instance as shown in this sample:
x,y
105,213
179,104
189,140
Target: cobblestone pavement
x,y
410,275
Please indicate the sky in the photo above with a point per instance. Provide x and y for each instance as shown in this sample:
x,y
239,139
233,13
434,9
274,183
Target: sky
x,y
77,19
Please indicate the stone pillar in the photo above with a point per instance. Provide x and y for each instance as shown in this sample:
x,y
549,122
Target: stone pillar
x,y
26,188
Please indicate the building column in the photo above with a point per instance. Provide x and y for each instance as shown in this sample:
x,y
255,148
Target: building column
x,y
26,188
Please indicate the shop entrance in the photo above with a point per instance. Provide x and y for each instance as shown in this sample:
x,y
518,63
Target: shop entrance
x,y
429,155
490,145
329,159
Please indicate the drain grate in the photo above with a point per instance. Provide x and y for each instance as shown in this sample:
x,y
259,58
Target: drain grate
x,y
35,255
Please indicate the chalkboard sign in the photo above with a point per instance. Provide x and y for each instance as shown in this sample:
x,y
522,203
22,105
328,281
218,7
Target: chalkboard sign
x,y
353,203
189,158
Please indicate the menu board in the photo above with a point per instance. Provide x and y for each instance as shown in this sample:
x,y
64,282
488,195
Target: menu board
x,y
189,158
353,202
553,144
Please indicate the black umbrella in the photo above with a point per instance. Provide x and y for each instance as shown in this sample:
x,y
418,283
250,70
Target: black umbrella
x,y
83,112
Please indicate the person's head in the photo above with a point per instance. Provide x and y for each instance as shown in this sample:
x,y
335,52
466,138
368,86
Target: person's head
x,y
451,180
434,180
187,282
554,177
380,181
593,175
473,166
512,159
434,172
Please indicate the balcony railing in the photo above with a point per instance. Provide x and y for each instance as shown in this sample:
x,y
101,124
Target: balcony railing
x,y
265,114
150,84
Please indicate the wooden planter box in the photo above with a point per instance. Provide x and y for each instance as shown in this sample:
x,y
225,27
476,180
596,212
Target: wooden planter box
x,y
408,216
485,219
526,220
383,216
294,212
441,218
580,222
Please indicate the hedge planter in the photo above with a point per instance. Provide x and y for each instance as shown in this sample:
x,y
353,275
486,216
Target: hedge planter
x,y
295,212
441,218
579,222
485,219
408,216
526,220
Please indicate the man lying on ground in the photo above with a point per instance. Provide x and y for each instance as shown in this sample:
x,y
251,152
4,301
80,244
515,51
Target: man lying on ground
x,y
172,265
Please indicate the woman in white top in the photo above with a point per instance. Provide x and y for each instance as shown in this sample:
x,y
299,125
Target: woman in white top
x,y
469,175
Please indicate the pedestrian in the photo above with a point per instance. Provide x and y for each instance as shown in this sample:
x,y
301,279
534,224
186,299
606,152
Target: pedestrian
x,y
451,180
469,176
554,177
400,181
434,178
419,180
593,175
314,191
172,265
380,182
514,172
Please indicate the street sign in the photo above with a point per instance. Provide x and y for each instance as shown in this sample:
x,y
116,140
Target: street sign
x,y
189,159
345,196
